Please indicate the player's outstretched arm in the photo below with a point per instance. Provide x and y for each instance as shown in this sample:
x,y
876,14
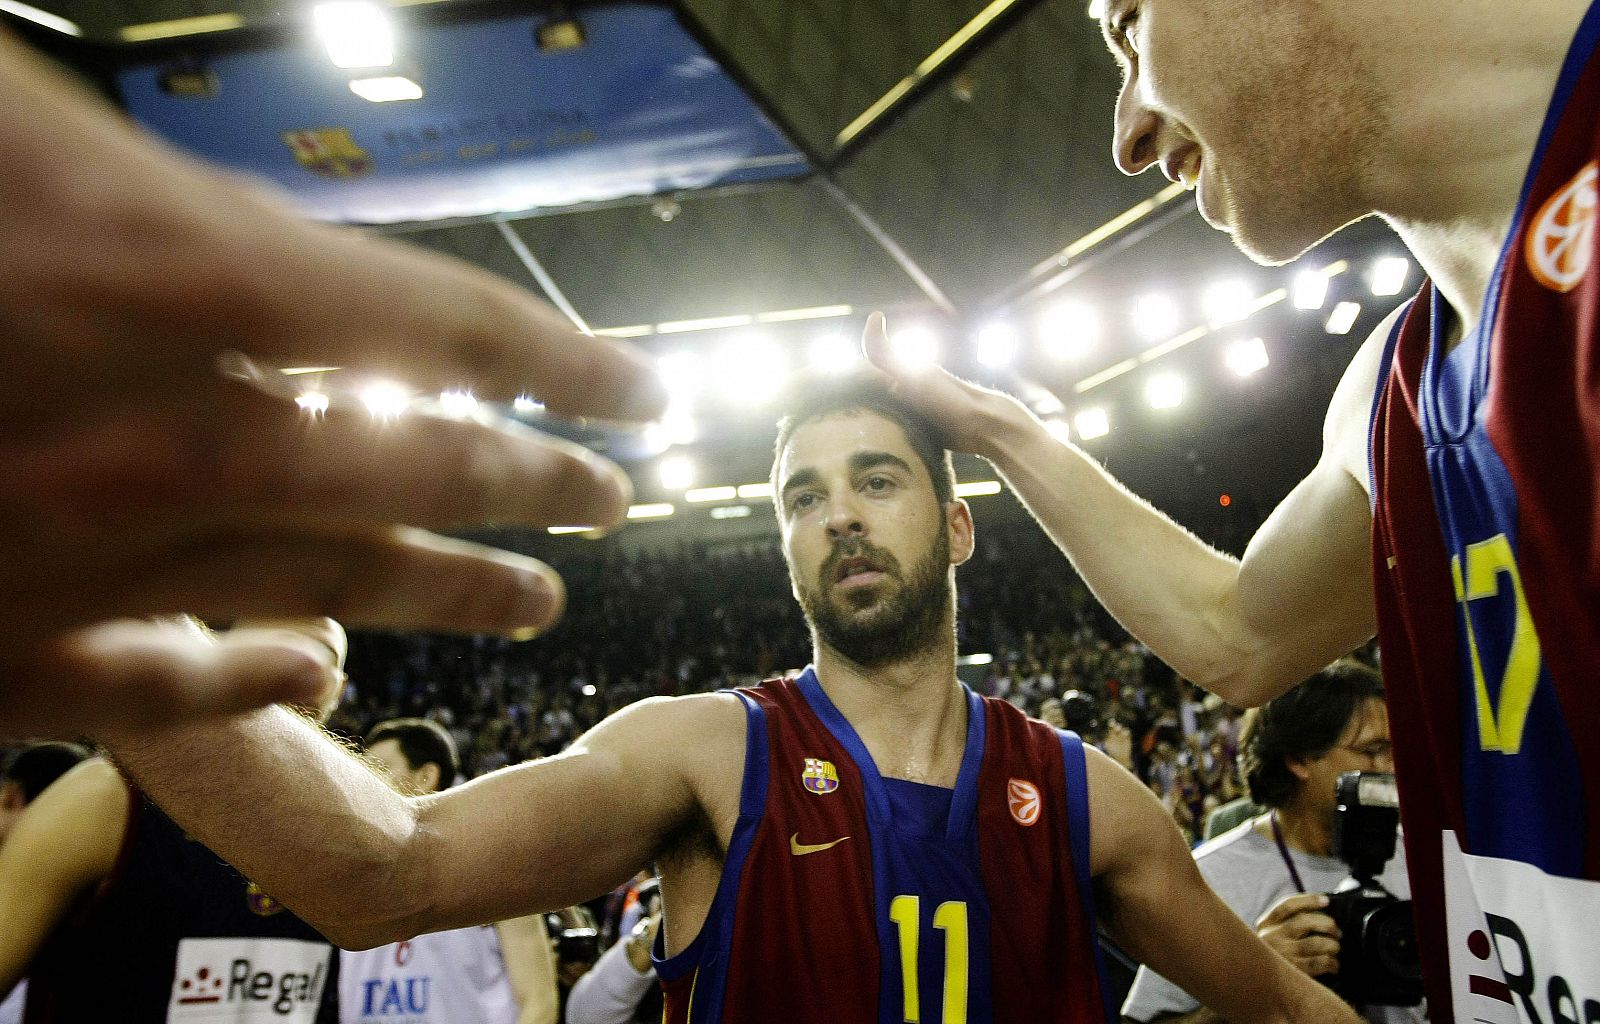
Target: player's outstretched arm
x,y
1247,630
1154,901
313,825
140,480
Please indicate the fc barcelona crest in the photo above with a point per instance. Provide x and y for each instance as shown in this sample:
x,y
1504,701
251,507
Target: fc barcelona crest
x,y
820,776
330,152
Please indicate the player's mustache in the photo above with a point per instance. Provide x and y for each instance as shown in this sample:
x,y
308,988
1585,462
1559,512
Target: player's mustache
x,y
881,559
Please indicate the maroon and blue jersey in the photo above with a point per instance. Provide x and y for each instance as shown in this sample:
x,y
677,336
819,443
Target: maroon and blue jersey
x,y
848,898
1485,471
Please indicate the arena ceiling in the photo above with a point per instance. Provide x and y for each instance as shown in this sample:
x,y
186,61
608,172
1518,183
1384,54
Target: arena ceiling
x,y
999,168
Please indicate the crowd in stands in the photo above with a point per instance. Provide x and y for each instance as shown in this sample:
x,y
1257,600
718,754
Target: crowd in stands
x,y
703,617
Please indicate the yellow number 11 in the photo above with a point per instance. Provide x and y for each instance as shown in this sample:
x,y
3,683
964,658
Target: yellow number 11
x,y
950,918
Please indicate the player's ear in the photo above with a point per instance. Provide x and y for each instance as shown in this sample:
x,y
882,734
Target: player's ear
x,y
429,777
958,524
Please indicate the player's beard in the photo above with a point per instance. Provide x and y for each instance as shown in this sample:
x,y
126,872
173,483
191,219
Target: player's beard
x,y
880,624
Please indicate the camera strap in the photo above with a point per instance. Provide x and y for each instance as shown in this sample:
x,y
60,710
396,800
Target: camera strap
x,y
1283,851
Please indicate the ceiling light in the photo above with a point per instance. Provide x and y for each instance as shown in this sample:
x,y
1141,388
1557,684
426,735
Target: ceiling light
x,y
385,400
915,347
1389,275
682,374
1227,303
314,402
704,494
1310,290
54,22
386,90
749,491
1068,330
1246,357
356,34
1155,317
751,369
458,405
676,473
526,404
1092,423
731,512
1059,429
559,34
977,489
1164,391
658,510
997,345
833,353
1343,317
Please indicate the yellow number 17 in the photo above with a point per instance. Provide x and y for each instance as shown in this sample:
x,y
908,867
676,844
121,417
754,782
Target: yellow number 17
x,y
950,918
1500,726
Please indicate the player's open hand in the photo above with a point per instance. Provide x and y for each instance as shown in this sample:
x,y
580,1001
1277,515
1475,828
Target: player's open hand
x,y
1305,936
964,410
141,480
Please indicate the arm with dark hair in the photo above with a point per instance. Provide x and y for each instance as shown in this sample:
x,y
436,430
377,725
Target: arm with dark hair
x,y
1248,628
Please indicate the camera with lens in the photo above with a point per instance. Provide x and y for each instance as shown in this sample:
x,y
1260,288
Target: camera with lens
x,y
1378,959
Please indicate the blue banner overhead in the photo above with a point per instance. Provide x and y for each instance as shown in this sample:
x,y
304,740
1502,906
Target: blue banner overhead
x,y
500,126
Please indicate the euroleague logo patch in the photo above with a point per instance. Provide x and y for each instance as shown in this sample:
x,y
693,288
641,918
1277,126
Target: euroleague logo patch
x,y
1024,800
1560,240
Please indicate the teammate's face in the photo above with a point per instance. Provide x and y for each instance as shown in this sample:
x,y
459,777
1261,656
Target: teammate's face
x,y
868,545
1261,106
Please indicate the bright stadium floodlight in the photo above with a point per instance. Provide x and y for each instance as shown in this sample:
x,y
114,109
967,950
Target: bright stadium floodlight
x,y
1227,302
731,512
1058,429
388,89
1155,317
385,400
676,473
526,405
751,369
1310,289
50,21
589,690
313,402
1389,275
750,491
356,33
1068,330
1343,317
997,345
1092,423
656,510
832,353
915,347
1247,356
457,405
1164,391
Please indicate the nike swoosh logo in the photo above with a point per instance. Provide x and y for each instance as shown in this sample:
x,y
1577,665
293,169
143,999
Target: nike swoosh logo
x,y
800,849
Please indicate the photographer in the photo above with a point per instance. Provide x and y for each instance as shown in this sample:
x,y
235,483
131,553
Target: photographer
x,y
1276,869
621,988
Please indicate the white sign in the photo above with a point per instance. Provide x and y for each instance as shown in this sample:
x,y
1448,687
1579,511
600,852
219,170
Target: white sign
x,y
235,981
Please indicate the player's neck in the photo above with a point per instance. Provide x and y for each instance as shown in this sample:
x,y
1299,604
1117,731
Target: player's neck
x,y
911,713
1452,167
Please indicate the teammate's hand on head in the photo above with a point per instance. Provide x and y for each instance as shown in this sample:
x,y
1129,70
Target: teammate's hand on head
x,y
1297,929
140,480
963,410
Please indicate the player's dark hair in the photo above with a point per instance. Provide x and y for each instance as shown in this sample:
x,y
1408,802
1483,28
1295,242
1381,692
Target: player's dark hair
x,y
821,396
422,741
1302,724
37,765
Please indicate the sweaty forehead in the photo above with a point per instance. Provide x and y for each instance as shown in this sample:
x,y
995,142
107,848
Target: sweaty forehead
x,y
828,441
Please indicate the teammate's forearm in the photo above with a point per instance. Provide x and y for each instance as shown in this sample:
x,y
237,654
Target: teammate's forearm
x,y
295,812
1161,582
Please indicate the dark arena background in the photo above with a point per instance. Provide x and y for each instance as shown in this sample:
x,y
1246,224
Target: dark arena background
x,y
733,186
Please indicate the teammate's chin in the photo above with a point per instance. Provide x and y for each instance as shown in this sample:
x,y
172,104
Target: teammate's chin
x,y
1268,225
